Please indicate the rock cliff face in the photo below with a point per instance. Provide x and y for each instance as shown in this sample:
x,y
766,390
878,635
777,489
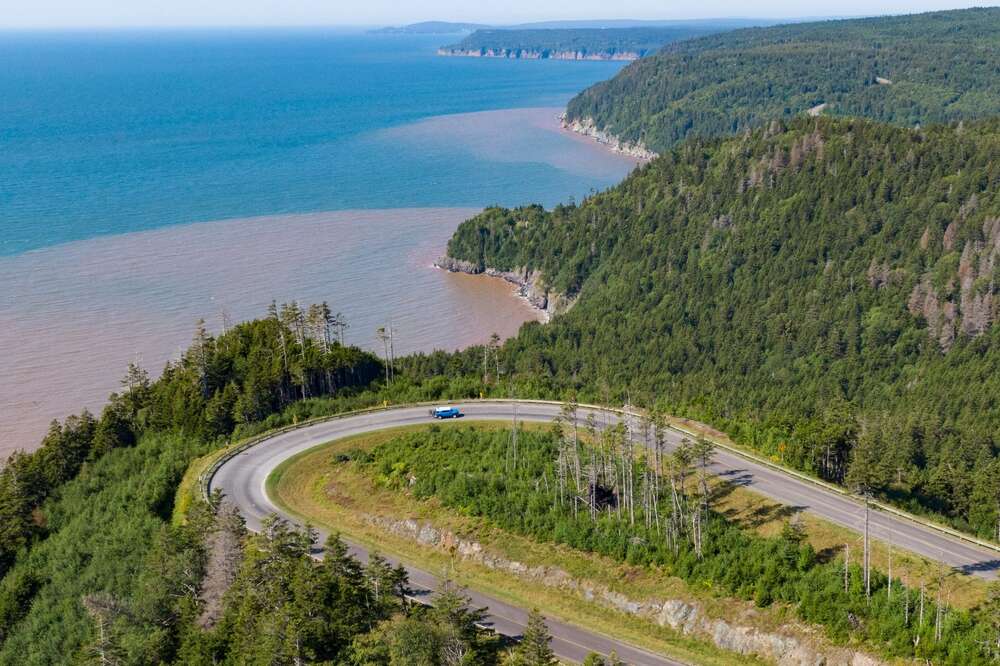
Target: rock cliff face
x,y
529,284
530,54
587,127
794,646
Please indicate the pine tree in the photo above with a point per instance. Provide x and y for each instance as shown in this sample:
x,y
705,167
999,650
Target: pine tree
x,y
534,648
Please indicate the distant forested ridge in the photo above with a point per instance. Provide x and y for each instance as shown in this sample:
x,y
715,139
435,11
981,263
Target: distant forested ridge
x,y
575,43
825,289
906,70
429,28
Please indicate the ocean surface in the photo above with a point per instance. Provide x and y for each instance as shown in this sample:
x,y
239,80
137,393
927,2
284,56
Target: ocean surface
x,y
151,179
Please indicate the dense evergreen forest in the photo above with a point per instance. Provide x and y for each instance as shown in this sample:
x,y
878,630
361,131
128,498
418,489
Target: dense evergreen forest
x,y
825,291
906,70
219,386
586,42
87,513
96,569
600,492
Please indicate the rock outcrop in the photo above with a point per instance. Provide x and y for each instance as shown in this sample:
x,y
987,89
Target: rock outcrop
x,y
529,284
792,647
587,127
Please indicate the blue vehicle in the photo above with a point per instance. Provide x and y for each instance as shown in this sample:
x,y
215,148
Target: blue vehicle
x,y
447,413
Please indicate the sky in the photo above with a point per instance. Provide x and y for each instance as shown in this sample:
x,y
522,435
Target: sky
x,y
177,13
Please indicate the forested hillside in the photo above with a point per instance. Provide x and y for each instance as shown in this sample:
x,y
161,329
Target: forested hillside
x,y
582,43
824,290
906,70
89,564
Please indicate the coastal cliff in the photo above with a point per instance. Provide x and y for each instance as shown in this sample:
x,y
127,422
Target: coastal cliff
x,y
539,54
587,127
623,44
529,284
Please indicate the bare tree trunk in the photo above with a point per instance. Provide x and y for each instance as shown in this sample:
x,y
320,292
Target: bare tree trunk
x,y
867,553
392,352
576,443
513,440
383,336
938,617
847,566
889,590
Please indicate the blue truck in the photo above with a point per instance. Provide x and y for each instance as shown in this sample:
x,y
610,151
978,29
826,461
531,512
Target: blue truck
x,y
446,413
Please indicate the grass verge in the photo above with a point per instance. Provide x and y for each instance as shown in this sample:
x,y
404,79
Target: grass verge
x,y
190,485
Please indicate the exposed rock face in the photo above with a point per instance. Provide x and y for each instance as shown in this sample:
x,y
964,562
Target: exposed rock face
x,y
532,54
529,284
786,649
587,127
968,303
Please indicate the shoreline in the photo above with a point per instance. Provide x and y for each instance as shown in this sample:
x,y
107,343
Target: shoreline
x,y
529,284
538,54
519,290
586,127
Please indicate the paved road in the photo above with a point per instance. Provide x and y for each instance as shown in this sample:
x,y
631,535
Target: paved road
x,y
242,480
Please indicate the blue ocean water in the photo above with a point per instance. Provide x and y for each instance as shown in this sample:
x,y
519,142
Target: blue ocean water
x,y
117,132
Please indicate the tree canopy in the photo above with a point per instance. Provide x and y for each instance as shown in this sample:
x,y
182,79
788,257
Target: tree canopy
x,y
906,70
824,290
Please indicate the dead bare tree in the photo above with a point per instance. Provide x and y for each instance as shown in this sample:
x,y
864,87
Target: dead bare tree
x,y
513,441
867,551
569,414
889,587
104,609
383,334
847,566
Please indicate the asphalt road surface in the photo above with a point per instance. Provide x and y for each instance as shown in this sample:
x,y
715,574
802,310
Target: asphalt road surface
x,y
243,477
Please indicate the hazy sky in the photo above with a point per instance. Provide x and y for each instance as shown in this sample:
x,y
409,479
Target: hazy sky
x,y
164,13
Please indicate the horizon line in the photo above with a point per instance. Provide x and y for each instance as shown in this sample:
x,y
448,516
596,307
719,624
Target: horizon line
x,y
107,27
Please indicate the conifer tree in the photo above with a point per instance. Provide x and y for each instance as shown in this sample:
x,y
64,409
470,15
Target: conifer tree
x,y
534,648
